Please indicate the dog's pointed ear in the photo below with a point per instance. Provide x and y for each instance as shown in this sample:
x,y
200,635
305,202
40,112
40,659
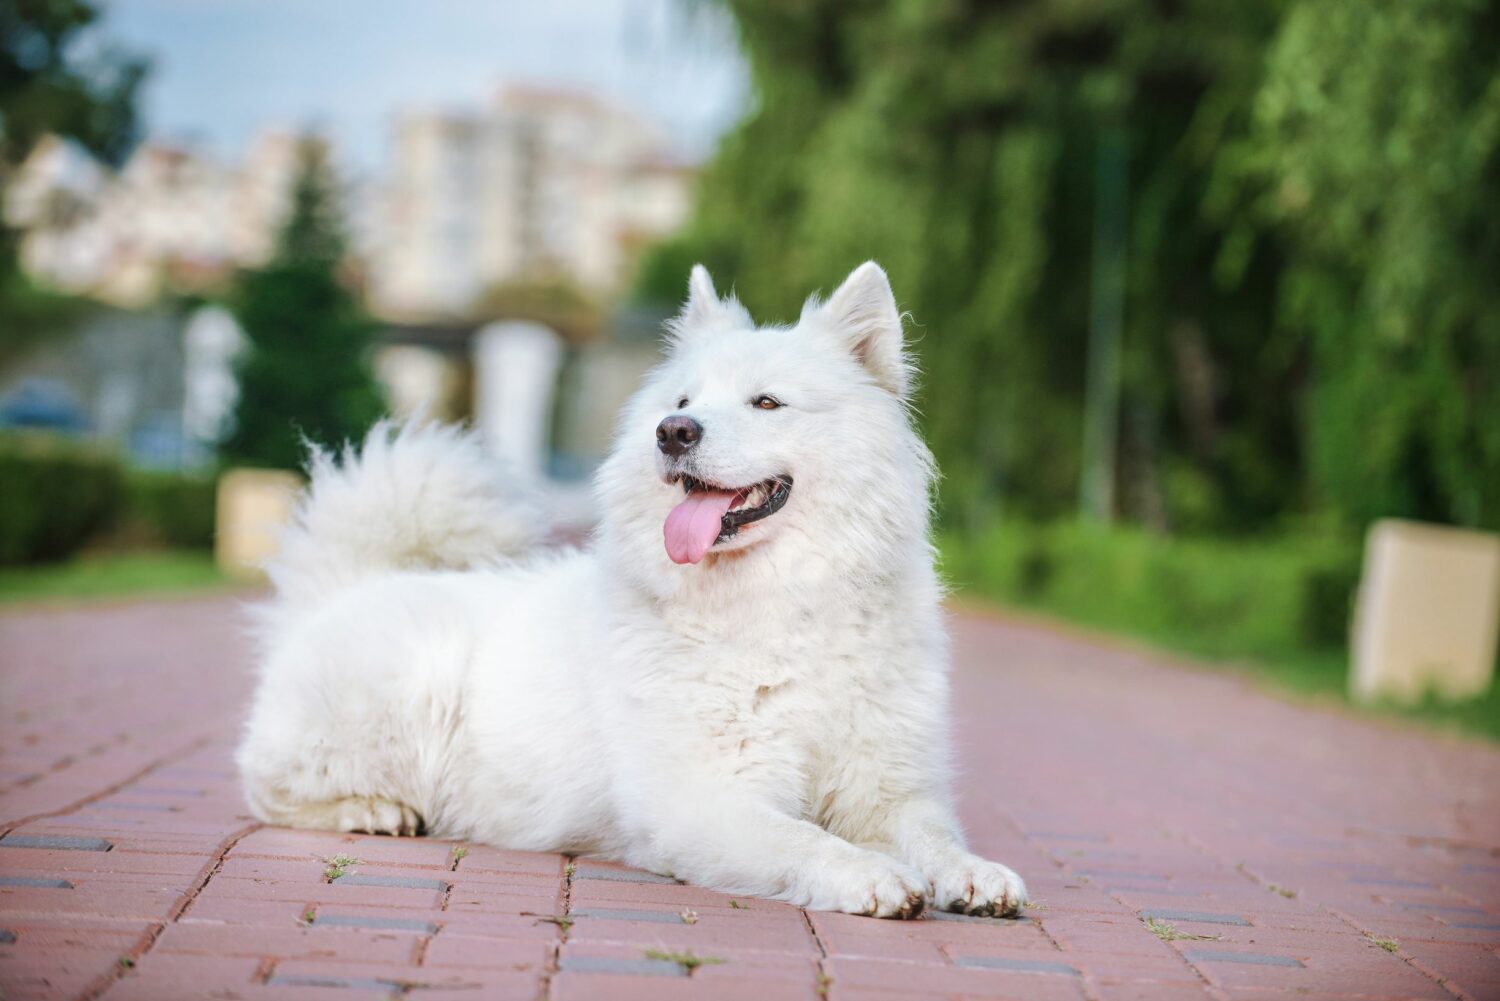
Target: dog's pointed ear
x,y
862,313
704,312
703,300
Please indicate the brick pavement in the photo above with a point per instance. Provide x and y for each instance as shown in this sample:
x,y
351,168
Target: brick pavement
x,y
1184,836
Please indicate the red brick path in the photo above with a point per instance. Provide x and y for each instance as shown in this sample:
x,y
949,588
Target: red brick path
x,y
1121,788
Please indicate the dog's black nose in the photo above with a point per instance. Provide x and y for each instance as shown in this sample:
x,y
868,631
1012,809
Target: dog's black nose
x,y
677,434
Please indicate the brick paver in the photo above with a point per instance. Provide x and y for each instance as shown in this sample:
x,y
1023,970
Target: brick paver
x,y
1184,836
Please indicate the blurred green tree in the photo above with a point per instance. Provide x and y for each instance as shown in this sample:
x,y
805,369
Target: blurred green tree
x,y
1372,166
306,372
959,143
52,82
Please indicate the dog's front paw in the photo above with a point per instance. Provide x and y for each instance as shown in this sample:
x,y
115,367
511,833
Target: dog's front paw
x,y
877,886
976,886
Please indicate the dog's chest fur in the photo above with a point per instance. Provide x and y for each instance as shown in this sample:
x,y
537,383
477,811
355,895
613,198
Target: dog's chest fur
x,y
784,696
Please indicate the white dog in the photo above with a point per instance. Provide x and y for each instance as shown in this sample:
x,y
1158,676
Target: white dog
x,y
761,708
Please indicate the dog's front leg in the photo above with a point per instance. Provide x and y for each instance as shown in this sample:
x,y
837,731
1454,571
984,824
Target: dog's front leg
x,y
739,844
924,831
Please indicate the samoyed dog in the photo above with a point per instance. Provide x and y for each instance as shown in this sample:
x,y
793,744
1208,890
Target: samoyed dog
x,y
740,682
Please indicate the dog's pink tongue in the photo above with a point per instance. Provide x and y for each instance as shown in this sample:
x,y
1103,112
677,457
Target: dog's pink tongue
x,y
694,524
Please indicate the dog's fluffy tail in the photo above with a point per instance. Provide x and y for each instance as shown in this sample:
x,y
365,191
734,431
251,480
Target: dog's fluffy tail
x,y
414,496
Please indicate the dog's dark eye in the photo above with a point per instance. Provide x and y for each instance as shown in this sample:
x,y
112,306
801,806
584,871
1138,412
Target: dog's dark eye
x,y
682,403
766,403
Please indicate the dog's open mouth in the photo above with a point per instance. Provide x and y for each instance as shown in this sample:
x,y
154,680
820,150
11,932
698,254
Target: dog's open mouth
x,y
710,514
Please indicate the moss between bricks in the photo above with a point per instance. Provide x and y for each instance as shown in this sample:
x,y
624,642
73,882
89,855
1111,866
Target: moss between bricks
x,y
687,960
561,920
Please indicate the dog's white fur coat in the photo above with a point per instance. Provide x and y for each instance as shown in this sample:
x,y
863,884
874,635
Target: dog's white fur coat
x,y
772,721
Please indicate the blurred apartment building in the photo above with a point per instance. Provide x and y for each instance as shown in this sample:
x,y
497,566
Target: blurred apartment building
x,y
543,185
173,219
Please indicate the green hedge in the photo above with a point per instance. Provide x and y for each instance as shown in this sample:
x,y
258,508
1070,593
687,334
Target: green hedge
x,y
1264,598
55,495
171,509
58,495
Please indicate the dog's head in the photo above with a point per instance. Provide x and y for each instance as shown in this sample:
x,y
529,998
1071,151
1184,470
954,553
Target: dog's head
x,y
745,435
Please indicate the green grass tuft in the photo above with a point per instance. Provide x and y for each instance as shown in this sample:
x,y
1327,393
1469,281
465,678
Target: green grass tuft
x,y
338,865
1168,932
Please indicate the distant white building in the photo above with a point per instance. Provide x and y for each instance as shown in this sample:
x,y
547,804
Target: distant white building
x,y
172,218
546,183
543,184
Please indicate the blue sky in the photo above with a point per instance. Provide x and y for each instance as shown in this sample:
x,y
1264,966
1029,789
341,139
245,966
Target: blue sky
x,y
224,69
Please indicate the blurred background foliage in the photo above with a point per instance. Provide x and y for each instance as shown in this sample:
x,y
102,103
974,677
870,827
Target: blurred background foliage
x,y
1311,316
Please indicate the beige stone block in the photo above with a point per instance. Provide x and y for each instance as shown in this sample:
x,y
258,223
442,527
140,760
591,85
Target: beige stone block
x,y
1427,613
253,506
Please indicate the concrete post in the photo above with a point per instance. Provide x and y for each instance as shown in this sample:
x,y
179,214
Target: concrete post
x,y
1427,614
515,373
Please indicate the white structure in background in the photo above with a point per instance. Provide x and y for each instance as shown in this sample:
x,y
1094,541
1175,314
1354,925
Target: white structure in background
x,y
515,373
417,381
211,342
544,183
173,217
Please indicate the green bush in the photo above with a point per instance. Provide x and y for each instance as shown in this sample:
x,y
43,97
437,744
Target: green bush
x,y
1279,605
1212,597
170,509
1328,601
55,495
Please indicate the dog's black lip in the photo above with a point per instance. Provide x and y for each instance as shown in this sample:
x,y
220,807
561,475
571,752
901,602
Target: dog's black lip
x,y
734,520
